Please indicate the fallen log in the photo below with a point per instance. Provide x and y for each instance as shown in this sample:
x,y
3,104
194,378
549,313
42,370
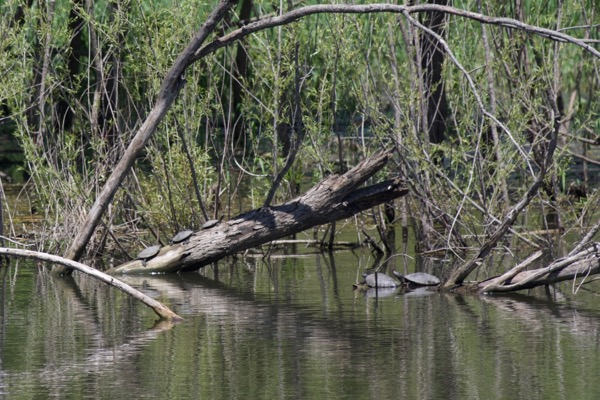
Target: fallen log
x,y
334,198
583,264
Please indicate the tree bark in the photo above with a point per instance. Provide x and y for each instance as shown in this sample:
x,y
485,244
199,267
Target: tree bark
x,y
336,197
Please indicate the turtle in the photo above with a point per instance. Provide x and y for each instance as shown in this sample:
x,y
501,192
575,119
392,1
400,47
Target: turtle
x,y
380,280
418,279
148,253
210,223
181,236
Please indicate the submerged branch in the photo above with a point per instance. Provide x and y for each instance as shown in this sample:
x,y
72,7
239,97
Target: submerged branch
x,y
160,309
584,263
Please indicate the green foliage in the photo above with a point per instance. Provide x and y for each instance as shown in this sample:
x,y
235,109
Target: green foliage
x,y
170,201
359,79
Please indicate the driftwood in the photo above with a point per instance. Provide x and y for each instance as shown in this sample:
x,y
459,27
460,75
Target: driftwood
x,y
160,309
582,264
334,198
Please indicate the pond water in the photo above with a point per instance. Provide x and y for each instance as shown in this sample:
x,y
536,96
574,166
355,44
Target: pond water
x,y
291,327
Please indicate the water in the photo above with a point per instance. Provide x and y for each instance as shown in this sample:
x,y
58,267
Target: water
x,y
290,328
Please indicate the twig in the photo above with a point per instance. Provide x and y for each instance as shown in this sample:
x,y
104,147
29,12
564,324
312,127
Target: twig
x,y
587,159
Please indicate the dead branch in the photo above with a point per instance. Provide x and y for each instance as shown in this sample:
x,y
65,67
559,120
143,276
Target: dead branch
x,y
461,273
294,15
160,309
579,265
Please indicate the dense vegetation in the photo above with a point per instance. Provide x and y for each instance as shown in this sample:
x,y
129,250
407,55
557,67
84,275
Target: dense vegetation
x,y
473,117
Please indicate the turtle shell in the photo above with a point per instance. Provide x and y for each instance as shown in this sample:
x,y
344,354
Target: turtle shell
x,y
181,236
419,278
210,223
148,252
380,280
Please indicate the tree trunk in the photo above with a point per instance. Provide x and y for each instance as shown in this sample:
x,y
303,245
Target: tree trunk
x,y
238,79
336,197
432,62
77,50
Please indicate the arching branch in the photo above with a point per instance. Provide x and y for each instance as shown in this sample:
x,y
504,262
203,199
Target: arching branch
x,y
299,13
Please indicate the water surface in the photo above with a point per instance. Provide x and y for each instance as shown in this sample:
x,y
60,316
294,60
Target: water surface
x,y
291,327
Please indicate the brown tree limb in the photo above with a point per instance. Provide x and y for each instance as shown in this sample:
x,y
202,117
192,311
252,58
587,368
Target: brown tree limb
x,y
160,309
334,198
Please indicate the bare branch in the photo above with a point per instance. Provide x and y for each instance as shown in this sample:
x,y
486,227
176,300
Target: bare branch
x,y
160,309
473,89
167,95
584,263
302,12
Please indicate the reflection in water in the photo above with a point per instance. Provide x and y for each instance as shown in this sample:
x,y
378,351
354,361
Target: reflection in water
x,y
289,328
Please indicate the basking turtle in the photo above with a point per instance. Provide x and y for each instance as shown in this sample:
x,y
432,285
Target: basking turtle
x,y
181,236
148,253
211,223
418,279
380,280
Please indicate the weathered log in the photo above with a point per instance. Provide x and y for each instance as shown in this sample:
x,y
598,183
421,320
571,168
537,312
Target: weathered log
x,y
334,198
581,265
